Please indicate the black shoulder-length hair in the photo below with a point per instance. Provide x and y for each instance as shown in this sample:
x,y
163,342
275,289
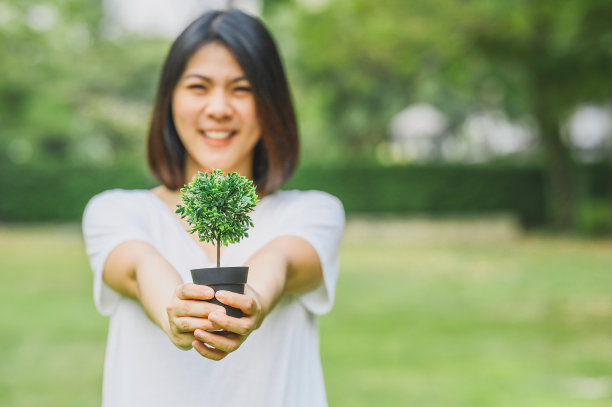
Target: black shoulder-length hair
x,y
276,153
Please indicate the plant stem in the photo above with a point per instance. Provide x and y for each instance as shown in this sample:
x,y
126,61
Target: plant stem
x,y
218,252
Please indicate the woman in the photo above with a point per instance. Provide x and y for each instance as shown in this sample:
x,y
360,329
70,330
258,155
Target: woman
x,y
222,102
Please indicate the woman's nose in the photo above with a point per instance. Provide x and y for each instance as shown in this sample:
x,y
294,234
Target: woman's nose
x,y
218,105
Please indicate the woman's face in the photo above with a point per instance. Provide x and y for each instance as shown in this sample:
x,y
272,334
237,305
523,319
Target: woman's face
x,y
214,112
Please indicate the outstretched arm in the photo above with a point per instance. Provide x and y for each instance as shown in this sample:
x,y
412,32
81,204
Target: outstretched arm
x,y
286,265
137,270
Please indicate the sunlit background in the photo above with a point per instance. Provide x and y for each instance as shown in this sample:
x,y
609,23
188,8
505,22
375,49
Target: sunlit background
x,y
384,90
469,140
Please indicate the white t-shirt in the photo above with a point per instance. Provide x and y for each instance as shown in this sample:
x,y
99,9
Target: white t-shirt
x,y
278,364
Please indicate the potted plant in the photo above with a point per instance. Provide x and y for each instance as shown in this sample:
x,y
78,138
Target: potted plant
x,y
217,207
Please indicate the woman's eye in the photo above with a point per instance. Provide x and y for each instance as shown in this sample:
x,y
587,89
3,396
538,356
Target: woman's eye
x,y
196,86
242,89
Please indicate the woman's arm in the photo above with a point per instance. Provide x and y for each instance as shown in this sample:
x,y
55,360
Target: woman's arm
x,y
286,265
137,270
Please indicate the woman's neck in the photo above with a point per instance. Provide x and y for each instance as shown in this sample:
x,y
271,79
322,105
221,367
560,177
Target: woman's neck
x,y
192,170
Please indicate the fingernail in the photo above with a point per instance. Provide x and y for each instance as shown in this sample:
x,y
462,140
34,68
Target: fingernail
x,y
220,295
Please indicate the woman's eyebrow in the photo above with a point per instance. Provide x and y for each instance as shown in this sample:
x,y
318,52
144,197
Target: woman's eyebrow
x,y
198,76
239,79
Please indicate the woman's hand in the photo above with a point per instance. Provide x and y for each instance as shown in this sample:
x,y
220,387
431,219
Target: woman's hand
x,y
217,345
188,312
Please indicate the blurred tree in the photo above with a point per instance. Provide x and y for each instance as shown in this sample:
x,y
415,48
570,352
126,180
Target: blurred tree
x,y
356,63
557,55
71,91
66,90
353,65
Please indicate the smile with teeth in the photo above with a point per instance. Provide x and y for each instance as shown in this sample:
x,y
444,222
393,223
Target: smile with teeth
x,y
218,135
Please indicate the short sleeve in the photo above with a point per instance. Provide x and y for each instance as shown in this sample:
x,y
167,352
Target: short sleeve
x,y
318,218
110,218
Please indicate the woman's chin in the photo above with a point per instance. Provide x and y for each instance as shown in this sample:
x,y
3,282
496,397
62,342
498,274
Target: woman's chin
x,y
224,164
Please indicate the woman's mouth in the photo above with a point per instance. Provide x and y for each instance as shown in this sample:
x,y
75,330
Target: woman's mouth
x,y
218,135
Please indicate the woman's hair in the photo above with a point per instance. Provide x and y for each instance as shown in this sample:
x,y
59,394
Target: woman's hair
x,y
276,153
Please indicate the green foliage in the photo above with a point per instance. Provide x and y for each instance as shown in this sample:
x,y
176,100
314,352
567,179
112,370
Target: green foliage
x,y
217,206
67,90
72,94
353,66
536,60
438,190
595,218
52,191
60,192
356,63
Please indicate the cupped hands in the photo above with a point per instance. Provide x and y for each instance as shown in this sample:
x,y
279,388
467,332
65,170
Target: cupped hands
x,y
229,332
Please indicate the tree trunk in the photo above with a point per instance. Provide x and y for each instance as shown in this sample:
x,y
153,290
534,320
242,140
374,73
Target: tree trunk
x,y
549,111
218,252
559,168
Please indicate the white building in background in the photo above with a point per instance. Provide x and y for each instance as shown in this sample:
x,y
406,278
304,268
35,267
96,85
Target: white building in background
x,y
589,130
419,133
162,18
489,134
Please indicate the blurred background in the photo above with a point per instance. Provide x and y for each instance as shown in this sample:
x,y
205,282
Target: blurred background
x,y
438,107
469,140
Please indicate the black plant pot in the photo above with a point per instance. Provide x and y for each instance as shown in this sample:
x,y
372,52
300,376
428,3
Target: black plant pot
x,y
223,278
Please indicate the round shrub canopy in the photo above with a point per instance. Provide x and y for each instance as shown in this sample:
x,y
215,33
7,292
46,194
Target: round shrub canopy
x,y
217,206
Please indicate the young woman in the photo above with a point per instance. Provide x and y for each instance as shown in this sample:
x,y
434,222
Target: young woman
x,y
222,102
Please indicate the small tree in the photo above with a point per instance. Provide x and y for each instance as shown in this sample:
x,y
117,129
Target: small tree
x,y
217,207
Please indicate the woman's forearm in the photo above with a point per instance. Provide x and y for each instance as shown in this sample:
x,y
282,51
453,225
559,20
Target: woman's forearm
x,y
136,270
156,281
286,265
268,276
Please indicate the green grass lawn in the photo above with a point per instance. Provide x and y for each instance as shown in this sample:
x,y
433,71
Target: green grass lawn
x,y
515,321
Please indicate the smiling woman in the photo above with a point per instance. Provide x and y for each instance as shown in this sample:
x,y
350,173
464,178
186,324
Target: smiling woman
x,y
214,112
249,88
222,103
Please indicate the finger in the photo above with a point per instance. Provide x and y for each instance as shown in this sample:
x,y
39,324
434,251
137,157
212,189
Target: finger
x,y
189,324
208,352
191,291
224,341
193,308
183,341
245,303
241,326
